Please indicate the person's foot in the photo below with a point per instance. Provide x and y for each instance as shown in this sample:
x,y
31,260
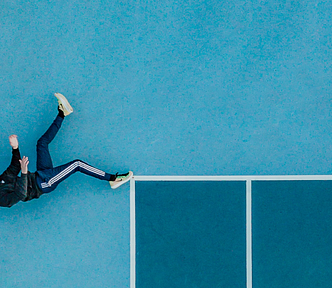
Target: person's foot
x,y
121,179
64,105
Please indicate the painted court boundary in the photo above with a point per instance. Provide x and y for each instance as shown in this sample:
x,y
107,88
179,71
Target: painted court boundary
x,y
247,179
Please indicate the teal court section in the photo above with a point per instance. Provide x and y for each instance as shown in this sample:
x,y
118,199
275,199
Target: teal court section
x,y
190,234
292,234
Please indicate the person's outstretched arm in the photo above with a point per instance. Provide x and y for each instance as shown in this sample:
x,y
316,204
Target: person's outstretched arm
x,y
9,197
15,166
21,187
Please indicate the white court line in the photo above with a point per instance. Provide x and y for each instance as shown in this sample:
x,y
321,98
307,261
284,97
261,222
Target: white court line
x,y
132,235
249,233
234,178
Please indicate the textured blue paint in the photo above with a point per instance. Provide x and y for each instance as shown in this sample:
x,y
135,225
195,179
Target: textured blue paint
x,y
168,88
178,88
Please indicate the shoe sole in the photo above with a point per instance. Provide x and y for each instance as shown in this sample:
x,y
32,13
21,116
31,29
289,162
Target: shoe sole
x,y
64,102
118,184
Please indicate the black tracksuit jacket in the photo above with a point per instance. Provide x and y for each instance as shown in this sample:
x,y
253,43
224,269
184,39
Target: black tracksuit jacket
x,y
13,188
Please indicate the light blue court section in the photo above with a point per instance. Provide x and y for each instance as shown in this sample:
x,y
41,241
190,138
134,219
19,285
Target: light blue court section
x,y
174,87
77,236
160,88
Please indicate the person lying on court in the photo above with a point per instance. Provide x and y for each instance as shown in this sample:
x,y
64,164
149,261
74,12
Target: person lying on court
x,y
31,185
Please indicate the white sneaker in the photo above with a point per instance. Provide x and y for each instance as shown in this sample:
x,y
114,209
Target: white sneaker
x,y
121,179
64,105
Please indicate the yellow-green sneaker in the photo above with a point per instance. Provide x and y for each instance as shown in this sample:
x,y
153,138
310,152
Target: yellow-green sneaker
x,y
64,105
121,179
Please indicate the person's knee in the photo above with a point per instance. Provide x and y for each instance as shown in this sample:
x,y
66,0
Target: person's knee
x,y
77,163
41,143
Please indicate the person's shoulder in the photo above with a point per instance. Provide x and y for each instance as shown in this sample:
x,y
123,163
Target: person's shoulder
x,y
2,176
7,177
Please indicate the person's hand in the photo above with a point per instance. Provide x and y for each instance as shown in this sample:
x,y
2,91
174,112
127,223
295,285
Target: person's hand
x,y
24,165
13,141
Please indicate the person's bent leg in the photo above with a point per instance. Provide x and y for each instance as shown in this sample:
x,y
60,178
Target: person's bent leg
x,y
44,160
49,179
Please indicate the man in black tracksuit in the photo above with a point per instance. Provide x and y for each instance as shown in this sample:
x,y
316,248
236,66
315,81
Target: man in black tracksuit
x,y
31,185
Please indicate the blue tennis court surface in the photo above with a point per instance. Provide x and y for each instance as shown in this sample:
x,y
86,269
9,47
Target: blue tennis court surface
x,y
168,88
